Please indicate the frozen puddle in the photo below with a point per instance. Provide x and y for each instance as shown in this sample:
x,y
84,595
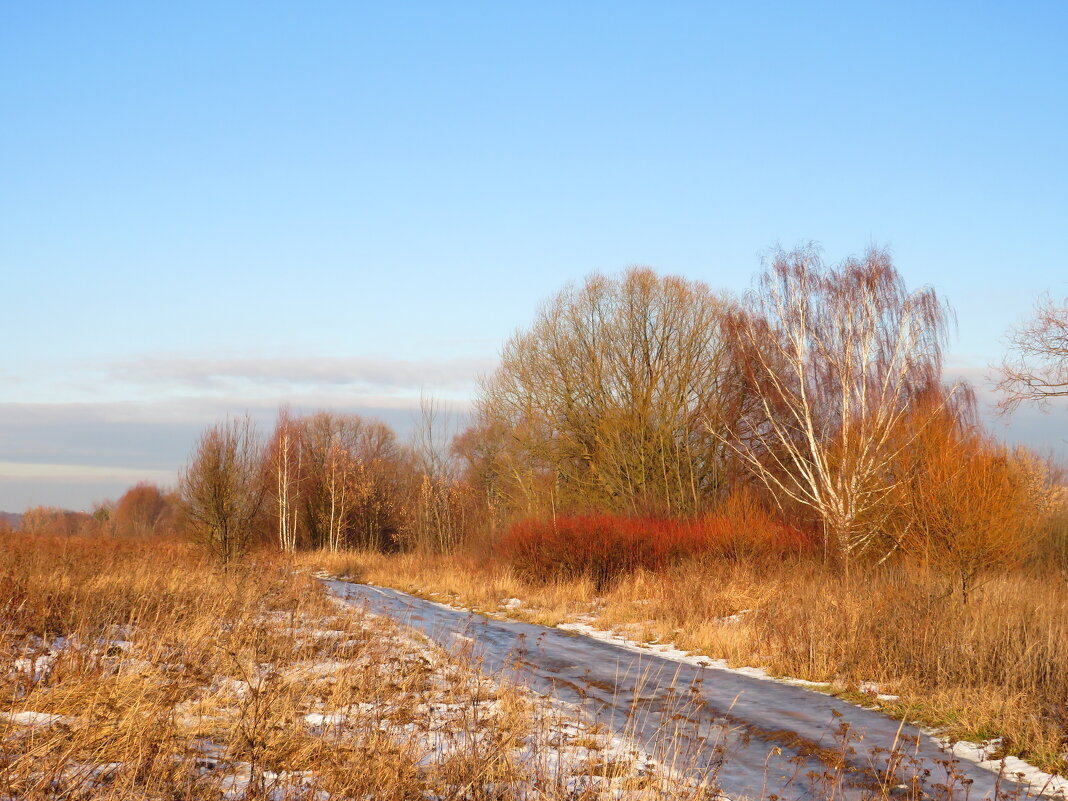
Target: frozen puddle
x,y
756,737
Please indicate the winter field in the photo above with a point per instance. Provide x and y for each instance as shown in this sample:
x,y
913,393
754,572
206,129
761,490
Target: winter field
x,y
145,671
843,584
987,677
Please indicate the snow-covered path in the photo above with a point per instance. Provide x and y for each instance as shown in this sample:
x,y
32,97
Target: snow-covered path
x,y
770,738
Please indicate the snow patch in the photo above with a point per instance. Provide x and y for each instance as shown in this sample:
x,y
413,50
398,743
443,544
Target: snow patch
x,y
1012,767
37,719
1009,766
669,651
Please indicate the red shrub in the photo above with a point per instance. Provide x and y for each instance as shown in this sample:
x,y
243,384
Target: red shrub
x,y
603,547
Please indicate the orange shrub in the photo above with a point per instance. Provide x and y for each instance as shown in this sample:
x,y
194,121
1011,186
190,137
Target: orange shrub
x,y
742,529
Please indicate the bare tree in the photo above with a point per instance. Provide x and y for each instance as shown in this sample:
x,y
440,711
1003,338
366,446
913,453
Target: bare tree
x,y
352,477
143,510
223,487
836,359
1037,366
336,474
437,502
383,464
601,402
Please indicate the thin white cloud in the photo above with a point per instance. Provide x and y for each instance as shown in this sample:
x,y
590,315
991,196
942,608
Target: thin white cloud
x,y
77,473
202,410
364,375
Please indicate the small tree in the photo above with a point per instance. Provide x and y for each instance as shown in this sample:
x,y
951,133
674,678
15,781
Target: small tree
x,y
336,476
966,505
1037,366
437,501
142,511
223,487
835,359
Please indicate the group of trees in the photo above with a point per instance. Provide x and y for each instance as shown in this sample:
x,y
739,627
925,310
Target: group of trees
x,y
144,510
822,388
334,481
819,393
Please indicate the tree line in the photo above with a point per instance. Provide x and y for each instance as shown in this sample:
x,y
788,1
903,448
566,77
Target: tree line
x,y
818,394
325,480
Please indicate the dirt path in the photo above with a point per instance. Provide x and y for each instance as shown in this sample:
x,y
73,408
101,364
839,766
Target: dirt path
x,y
759,738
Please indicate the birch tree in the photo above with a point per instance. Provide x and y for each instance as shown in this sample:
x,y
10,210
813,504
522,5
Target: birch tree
x,y
836,360
336,473
352,481
437,511
286,455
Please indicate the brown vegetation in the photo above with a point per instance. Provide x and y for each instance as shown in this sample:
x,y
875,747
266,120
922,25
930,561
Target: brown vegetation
x,y
782,481
139,670
838,361
223,489
52,520
602,403
967,506
144,510
996,666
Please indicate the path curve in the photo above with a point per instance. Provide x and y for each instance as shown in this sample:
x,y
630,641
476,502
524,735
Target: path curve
x,y
767,737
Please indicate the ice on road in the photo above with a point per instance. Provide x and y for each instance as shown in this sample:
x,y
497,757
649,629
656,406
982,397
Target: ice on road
x,y
761,738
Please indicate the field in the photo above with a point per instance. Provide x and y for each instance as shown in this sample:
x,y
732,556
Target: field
x,y
145,670
994,668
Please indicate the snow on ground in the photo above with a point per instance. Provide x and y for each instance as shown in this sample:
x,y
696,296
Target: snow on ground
x,y
1046,783
39,657
36,719
1013,767
432,703
670,651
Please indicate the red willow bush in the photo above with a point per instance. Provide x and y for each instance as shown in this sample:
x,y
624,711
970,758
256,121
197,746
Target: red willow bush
x,y
604,547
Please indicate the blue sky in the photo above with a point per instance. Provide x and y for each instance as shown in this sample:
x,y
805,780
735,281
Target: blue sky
x,y
208,208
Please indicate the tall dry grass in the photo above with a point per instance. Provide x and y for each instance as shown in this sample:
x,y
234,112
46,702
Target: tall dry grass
x,y
144,670
996,666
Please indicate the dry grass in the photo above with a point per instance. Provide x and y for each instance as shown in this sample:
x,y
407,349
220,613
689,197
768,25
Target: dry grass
x,y
994,667
144,671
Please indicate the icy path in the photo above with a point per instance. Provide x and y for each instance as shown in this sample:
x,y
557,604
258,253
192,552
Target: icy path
x,y
771,738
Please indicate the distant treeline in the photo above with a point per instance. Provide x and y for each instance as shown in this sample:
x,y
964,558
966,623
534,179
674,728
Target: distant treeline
x,y
814,402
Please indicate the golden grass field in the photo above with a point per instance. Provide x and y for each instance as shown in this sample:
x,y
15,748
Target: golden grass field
x,y
142,670
995,667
